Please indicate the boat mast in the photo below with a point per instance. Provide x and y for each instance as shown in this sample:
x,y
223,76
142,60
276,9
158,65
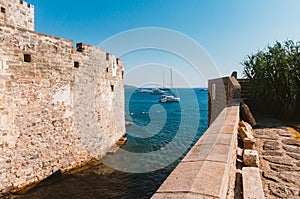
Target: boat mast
x,y
163,79
171,77
172,81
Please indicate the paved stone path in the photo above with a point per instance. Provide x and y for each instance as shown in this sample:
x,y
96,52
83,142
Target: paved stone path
x,y
279,150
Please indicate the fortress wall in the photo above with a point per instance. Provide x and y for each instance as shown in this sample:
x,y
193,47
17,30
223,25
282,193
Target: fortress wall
x,y
221,92
17,13
58,107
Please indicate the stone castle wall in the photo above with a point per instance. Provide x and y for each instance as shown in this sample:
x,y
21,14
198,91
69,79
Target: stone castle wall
x,y
17,13
221,92
59,106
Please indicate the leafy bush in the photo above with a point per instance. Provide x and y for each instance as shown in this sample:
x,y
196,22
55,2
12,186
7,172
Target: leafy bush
x,y
275,76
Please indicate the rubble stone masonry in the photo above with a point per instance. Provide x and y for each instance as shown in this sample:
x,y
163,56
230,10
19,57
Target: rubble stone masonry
x,y
59,106
17,13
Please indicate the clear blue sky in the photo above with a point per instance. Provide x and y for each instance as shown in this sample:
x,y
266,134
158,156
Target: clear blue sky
x,y
228,30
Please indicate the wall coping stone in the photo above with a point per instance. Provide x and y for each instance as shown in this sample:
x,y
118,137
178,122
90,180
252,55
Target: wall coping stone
x,y
252,185
206,171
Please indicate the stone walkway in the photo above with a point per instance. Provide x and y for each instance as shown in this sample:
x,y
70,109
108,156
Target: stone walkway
x,y
279,150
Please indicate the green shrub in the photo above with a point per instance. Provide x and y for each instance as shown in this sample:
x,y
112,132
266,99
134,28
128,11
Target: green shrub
x,y
275,75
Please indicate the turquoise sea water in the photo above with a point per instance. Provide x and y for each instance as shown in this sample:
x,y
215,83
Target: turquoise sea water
x,y
155,127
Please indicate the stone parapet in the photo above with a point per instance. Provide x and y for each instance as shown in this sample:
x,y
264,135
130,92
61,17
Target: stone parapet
x,y
221,92
208,170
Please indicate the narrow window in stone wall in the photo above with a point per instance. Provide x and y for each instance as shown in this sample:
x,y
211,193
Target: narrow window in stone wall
x,y
3,10
28,5
107,70
76,64
107,56
213,92
27,58
114,68
122,74
21,2
112,88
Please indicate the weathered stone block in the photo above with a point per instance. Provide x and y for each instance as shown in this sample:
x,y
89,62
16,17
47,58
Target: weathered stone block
x,y
272,153
250,158
293,155
280,160
291,142
280,168
245,124
292,149
280,191
270,175
244,133
247,115
252,185
269,147
249,143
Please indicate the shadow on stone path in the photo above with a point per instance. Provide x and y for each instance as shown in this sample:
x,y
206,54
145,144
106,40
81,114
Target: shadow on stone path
x,y
279,152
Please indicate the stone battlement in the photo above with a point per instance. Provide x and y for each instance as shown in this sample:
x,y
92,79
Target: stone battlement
x,y
17,13
59,106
